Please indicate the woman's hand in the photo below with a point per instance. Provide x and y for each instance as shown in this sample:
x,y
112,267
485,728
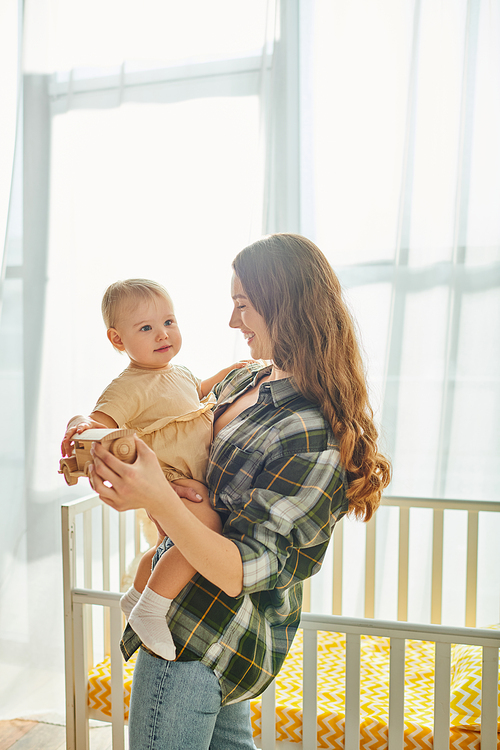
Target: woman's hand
x,y
127,486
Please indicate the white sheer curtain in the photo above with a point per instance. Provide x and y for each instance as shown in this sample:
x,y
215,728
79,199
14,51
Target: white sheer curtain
x,y
400,180
144,132
160,138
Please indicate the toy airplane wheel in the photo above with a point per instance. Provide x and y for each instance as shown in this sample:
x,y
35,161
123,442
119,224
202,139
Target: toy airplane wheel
x,y
124,449
69,479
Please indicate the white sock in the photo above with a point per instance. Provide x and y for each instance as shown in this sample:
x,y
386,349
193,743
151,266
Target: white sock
x,y
129,600
148,620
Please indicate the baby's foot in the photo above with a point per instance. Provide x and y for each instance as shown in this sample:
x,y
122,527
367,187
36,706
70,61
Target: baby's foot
x,y
148,620
129,600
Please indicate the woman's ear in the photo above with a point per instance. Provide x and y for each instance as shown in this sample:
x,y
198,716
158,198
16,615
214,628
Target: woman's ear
x,y
115,339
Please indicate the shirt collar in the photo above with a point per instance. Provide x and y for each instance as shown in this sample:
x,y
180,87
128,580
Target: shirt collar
x,y
281,391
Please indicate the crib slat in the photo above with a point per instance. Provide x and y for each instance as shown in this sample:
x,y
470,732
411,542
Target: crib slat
x,y
437,565
68,542
489,698
106,578
396,693
81,678
117,702
338,544
87,549
371,532
106,583
87,578
137,534
309,689
352,684
471,581
268,717
122,540
442,696
404,536
306,596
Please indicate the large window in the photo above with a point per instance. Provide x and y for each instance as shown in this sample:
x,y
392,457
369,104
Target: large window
x,y
158,143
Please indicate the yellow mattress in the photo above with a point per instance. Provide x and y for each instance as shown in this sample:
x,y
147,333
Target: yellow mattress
x,y
419,694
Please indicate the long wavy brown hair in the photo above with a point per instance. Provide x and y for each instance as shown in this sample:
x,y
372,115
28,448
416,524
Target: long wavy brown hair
x,y
291,284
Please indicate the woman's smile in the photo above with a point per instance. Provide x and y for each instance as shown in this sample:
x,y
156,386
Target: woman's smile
x,y
244,315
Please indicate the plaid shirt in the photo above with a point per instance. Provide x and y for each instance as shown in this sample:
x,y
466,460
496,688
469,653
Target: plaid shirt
x,y
275,479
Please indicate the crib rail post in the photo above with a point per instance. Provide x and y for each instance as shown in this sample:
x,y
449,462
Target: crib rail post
x,y
442,681
68,533
471,578
106,572
87,582
338,547
396,693
403,568
310,689
489,707
437,565
80,658
268,717
370,562
117,702
352,691
122,537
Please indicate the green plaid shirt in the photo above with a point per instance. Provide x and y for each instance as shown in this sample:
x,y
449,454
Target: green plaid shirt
x,y
275,479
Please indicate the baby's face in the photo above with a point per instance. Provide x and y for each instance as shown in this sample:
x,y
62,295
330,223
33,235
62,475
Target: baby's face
x,y
148,332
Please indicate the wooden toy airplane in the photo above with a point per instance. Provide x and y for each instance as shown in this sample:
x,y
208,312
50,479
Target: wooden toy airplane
x,y
119,442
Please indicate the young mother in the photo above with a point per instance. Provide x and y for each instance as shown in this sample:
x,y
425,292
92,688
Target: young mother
x,y
294,449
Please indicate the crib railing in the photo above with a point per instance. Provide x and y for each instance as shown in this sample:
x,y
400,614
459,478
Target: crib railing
x,y
80,600
398,633
78,629
471,507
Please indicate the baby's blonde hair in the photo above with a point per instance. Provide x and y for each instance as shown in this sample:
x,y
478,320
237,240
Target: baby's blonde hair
x,y
121,293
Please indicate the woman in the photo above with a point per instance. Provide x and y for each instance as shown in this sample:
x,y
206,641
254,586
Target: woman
x,y
294,449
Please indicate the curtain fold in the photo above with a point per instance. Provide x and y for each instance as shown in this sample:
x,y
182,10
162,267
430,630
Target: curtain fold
x,y
10,120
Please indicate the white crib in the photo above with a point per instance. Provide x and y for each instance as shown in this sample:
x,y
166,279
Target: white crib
x,y
98,545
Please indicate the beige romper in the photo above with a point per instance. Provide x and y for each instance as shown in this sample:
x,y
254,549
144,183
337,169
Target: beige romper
x,y
165,409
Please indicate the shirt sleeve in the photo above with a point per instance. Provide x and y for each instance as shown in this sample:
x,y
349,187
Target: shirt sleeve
x,y
285,521
194,379
119,402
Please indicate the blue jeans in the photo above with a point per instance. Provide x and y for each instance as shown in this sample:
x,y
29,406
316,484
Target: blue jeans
x,y
177,706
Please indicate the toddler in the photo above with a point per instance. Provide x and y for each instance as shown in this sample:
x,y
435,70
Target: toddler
x,y
172,411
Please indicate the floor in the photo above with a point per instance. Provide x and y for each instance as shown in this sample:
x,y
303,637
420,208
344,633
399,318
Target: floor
x,y
20,734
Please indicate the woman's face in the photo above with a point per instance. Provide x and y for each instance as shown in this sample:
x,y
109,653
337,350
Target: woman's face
x,y
250,322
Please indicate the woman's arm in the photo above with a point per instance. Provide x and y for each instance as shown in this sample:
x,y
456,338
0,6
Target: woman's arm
x,y
143,485
283,522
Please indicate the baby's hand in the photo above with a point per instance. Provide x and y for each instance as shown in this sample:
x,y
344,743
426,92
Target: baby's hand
x,y
77,429
243,363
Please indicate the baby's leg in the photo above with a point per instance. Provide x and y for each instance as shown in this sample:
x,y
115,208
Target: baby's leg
x,y
171,574
175,572
132,596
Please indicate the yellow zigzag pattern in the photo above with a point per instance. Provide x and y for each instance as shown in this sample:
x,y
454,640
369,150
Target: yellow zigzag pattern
x,y
374,700
99,688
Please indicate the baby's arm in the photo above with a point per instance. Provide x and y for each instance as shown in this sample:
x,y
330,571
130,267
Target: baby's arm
x,y
207,385
79,424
